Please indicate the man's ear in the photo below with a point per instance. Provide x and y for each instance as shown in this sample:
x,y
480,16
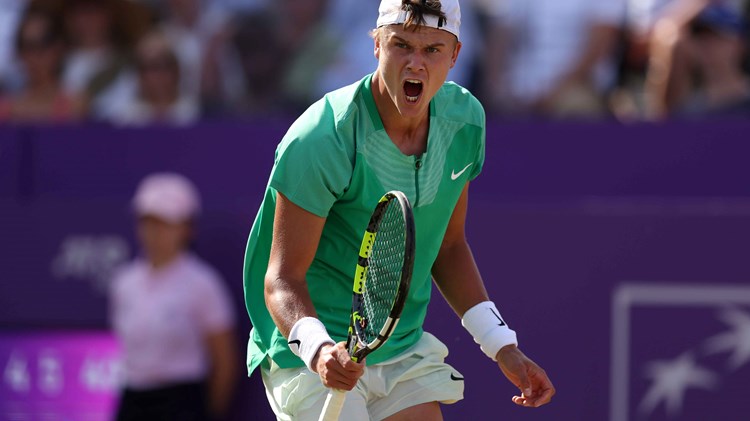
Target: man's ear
x,y
455,53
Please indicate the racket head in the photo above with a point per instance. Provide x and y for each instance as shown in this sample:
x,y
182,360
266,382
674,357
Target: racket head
x,y
383,274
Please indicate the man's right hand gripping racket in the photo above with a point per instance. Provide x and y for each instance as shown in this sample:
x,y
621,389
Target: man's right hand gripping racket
x,y
381,283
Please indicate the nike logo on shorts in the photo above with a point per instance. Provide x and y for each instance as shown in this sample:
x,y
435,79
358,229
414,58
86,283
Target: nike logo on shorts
x,y
456,378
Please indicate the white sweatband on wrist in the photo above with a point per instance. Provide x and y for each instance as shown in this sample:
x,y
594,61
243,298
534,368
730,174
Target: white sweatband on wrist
x,y
489,330
306,337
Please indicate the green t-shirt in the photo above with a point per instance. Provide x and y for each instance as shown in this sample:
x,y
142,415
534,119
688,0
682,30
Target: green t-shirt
x,y
336,161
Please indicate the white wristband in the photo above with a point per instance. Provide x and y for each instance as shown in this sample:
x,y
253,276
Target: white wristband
x,y
307,336
489,330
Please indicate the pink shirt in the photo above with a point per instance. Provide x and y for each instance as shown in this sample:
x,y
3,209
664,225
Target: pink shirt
x,y
162,318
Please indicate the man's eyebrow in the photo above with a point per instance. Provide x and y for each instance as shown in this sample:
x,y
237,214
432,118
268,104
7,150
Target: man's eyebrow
x,y
434,45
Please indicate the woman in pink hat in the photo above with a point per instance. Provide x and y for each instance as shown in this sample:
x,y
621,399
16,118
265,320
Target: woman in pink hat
x,y
172,314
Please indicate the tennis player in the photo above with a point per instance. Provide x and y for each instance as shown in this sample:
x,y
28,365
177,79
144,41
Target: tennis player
x,y
405,128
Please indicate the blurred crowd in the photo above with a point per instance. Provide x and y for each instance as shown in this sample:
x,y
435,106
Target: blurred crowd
x,y
136,62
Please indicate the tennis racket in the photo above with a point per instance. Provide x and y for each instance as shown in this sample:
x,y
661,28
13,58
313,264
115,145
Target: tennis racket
x,y
381,283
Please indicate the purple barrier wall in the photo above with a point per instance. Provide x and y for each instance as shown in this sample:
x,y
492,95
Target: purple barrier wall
x,y
617,253
12,160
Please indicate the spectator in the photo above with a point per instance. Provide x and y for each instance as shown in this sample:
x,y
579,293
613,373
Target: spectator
x,y
40,46
201,37
101,34
261,62
156,97
716,58
308,44
350,23
648,43
665,39
552,58
10,15
172,314
672,44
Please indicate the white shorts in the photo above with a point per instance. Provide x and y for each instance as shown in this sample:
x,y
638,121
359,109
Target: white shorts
x,y
419,375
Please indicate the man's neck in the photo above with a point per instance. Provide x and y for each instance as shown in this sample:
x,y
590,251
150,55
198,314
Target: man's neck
x,y
408,134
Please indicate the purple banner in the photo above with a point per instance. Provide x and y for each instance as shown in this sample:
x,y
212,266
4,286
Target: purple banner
x,y
619,254
59,376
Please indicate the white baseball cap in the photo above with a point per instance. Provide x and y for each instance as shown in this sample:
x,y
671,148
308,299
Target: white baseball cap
x,y
169,196
392,12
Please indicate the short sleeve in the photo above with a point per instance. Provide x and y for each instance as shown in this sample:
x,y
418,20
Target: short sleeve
x,y
481,137
314,163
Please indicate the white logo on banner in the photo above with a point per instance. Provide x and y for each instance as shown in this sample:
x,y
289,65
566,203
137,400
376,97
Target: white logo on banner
x,y
670,379
736,340
16,373
50,373
101,374
90,257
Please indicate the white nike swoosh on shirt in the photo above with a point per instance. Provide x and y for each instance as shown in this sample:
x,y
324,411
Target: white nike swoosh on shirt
x,y
455,175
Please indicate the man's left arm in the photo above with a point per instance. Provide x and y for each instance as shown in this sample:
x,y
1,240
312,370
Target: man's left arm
x,y
458,279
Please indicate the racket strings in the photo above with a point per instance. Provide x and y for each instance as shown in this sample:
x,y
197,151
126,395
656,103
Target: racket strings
x,y
384,272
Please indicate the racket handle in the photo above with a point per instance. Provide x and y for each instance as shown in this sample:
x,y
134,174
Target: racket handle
x,y
332,407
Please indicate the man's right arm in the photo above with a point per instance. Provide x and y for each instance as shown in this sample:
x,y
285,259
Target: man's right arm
x,y
296,234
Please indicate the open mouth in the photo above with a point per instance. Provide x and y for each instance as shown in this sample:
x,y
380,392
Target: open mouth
x,y
412,89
